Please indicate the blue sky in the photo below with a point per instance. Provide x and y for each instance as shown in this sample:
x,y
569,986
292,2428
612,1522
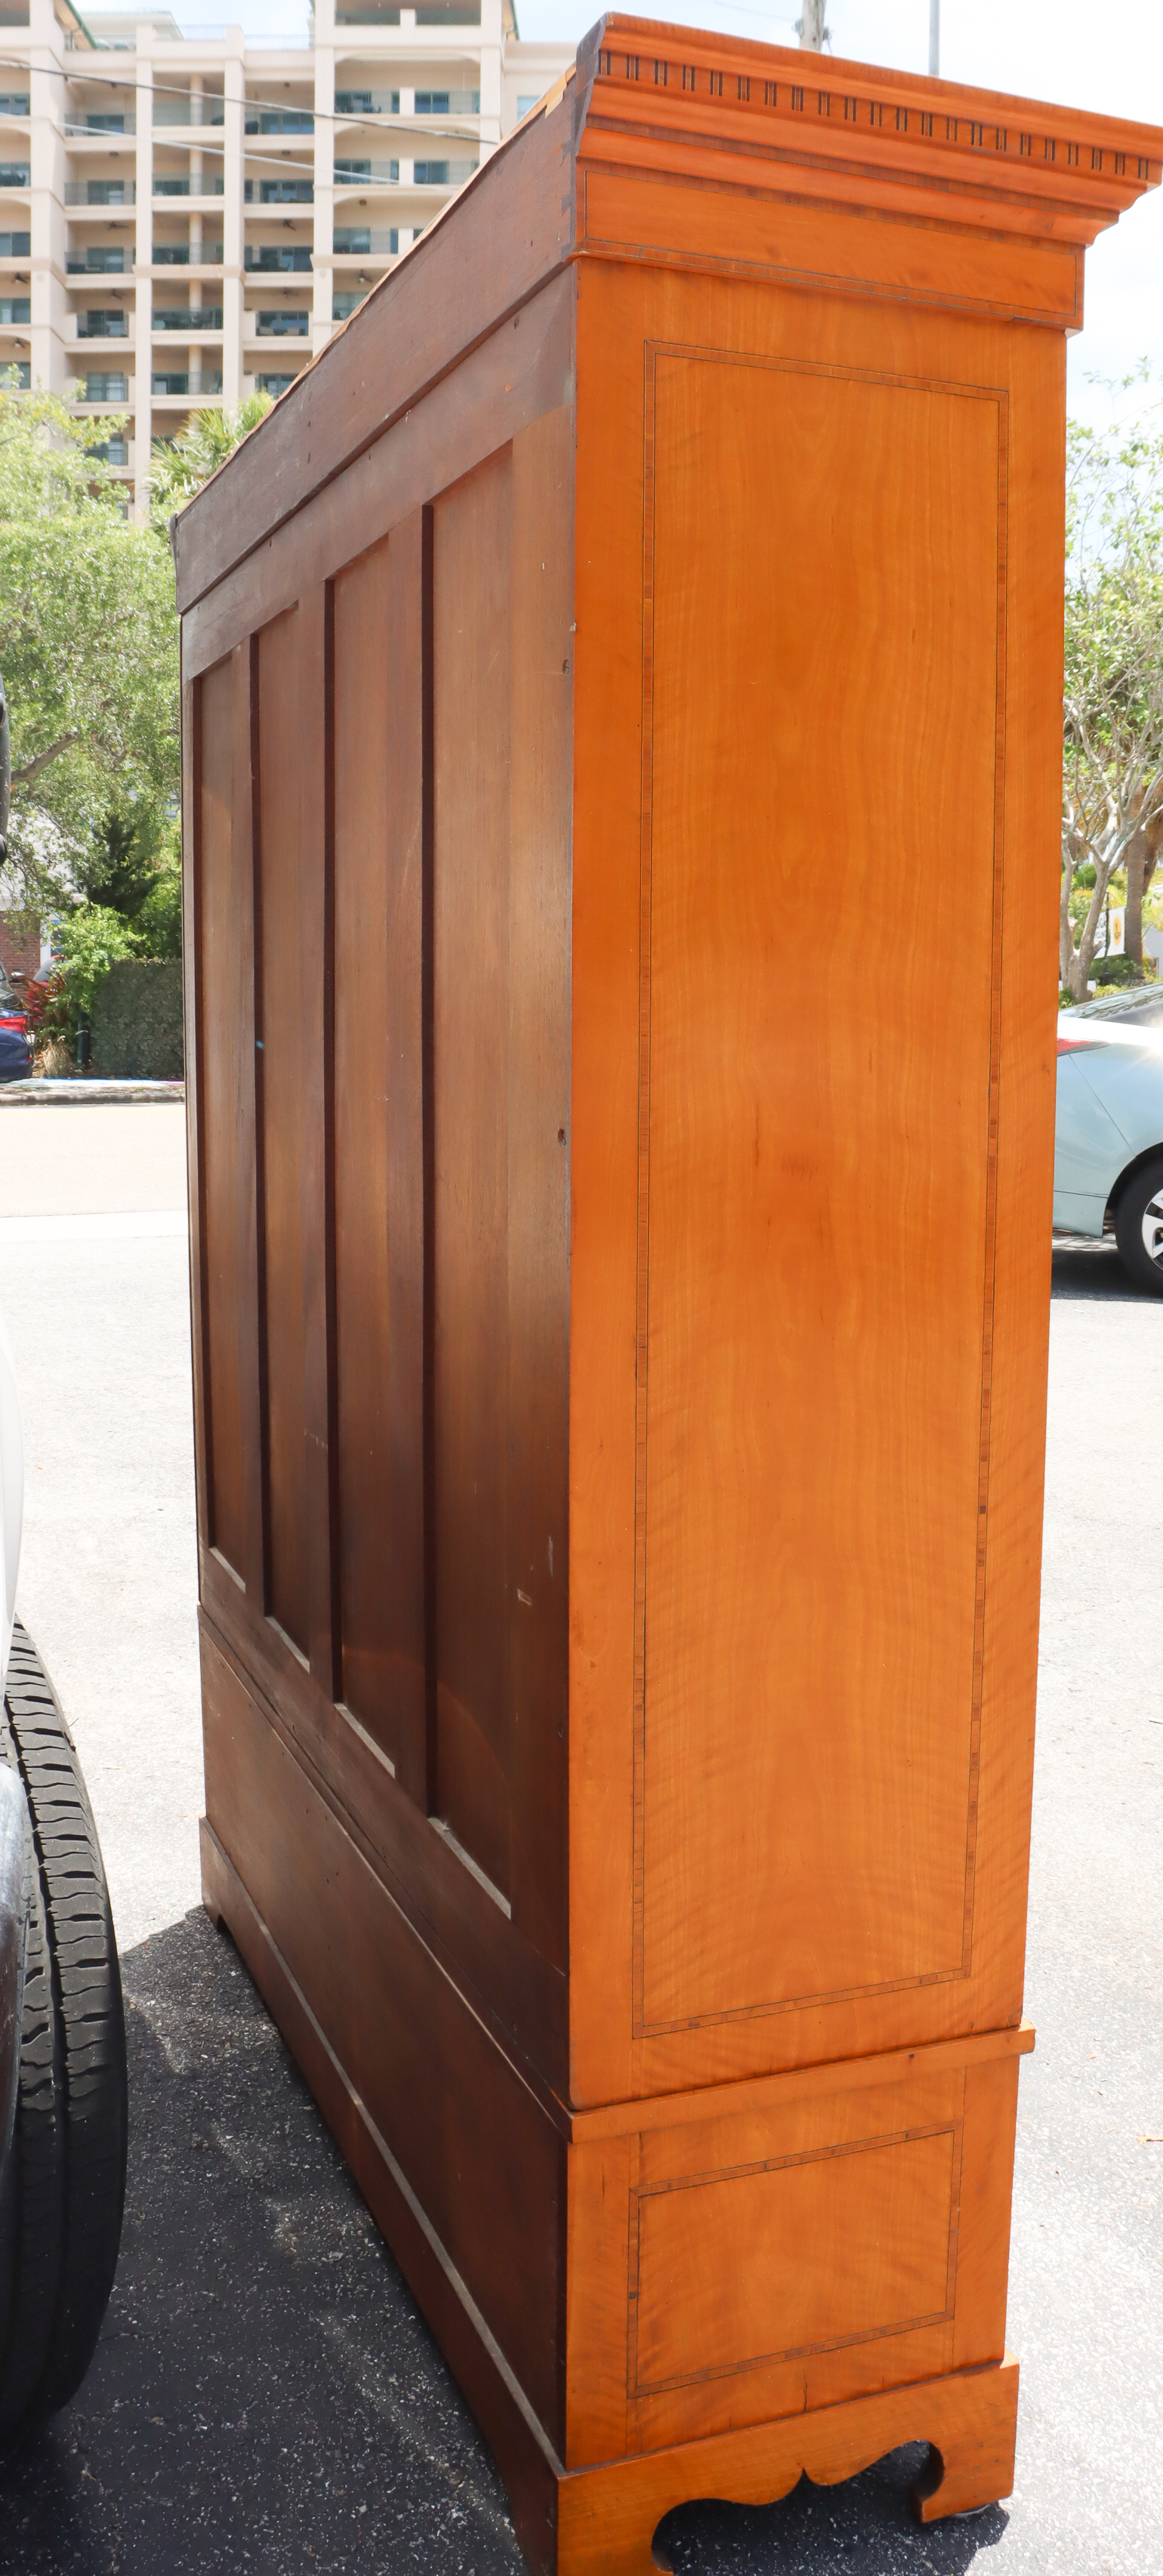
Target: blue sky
x,y
1109,58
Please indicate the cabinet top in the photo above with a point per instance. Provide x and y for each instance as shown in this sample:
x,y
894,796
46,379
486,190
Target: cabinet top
x,y
674,147
976,155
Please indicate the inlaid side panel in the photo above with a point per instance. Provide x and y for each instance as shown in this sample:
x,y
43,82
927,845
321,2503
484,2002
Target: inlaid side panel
x,y
816,1180
287,1079
761,2259
378,1146
226,1058
472,545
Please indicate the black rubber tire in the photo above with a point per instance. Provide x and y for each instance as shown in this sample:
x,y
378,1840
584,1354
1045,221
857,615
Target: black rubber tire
x,y
62,2197
1144,1185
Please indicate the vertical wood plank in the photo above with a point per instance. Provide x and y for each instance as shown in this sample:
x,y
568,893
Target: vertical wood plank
x,y
541,674
378,1147
287,1073
472,544
191,721
315,642
227,1143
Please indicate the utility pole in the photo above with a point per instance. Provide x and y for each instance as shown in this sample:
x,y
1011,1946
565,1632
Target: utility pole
x,y
934,37
812,28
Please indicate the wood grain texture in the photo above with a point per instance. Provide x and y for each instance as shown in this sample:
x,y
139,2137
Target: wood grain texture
x,y
472,2142
475,1602
227,1231
796,1078
620,759
284,1085
378,1147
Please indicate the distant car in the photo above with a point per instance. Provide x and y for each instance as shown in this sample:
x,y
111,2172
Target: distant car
x,y
63,2110
15,1043
1108,1159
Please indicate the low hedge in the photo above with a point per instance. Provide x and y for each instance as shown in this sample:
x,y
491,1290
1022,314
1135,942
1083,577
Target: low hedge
x,y
136,1019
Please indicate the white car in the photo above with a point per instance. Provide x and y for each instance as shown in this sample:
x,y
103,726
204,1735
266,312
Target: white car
x,y
1108,1152
63,2103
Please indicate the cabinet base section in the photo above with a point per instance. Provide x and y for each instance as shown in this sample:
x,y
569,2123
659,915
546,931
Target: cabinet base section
x,y
601,2521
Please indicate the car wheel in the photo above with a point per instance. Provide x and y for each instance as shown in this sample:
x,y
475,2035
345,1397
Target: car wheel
x,y
63,2191
1139,1227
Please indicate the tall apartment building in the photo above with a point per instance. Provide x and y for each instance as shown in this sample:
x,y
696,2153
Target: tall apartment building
x,y
185,218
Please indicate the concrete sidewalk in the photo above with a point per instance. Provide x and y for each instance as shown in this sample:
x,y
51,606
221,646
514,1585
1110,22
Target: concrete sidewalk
x,y
264,2397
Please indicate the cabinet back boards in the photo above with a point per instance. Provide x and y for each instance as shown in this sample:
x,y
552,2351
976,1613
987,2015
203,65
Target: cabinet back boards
x,y
621,705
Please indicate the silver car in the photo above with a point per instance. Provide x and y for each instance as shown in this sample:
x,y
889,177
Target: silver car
x,y
1108,1158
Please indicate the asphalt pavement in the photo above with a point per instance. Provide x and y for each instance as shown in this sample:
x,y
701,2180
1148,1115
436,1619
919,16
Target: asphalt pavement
x,y
264,2397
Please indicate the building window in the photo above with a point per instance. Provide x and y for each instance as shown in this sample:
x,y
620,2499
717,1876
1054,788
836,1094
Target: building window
x,y
430,174
273,385
15,245
283,326
343,305
16,378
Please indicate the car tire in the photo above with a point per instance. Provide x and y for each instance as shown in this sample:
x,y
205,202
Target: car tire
x,y
63,2192
1139,1216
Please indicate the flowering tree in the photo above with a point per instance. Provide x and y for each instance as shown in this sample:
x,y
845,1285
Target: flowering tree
x,y
1112,774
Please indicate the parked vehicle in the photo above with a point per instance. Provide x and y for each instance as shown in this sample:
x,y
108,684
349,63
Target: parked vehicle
x,y
63,2101
15,1043
1108,1161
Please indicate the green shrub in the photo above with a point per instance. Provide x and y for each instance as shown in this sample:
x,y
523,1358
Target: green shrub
x,y
137,1019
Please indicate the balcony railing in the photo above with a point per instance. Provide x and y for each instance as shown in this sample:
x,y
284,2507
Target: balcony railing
x,y
270,259
343,306
14,174
458,13
15,245
372,240
283,326
273,385
172,112
91,128
198,317
426,102
111,451
95,263
280,120
100,192
424,174
14,102
207,186
209,382
15,308
100,389
101,325
187,254
279,192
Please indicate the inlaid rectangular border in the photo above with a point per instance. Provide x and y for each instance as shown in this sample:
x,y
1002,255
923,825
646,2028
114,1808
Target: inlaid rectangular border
x,y
637,2387
999,397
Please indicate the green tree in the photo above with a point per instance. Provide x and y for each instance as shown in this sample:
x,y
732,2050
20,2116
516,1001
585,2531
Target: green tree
x,y
183,464
88,649
1112,778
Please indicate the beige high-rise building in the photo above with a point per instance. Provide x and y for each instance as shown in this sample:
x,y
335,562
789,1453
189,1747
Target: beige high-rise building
x,y
185,218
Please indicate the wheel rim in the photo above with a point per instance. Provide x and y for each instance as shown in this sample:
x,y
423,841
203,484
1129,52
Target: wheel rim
x,y
1153,1229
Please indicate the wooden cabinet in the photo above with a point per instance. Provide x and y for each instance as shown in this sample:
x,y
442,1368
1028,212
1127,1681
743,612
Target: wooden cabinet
x,y
622,707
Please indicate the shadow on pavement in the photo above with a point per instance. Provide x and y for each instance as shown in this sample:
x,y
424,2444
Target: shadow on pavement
x,y
1083,1267
265,2399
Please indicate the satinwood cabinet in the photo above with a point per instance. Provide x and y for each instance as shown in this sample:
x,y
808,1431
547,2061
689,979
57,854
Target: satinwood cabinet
x,y
622,696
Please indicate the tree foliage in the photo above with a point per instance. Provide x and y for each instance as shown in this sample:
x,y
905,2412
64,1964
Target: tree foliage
x,y
182,465
88,649
1112,778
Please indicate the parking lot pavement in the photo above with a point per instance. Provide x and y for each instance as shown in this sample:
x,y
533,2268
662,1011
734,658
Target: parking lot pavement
x,y
264,2397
